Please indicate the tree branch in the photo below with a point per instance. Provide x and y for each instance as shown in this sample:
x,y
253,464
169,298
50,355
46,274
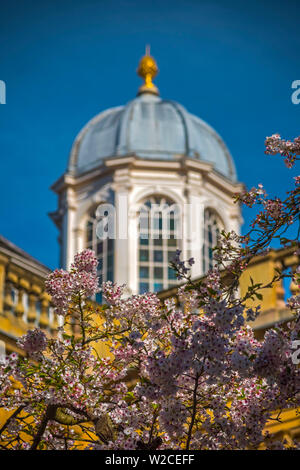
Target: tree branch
x,y
49,414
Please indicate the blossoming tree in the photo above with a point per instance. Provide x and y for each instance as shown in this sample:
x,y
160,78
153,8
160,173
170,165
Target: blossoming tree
x,y
200,378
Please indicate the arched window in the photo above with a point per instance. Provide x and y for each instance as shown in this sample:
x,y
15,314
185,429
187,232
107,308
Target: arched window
x,y
104,250
14,297
38,310
158,241
212,227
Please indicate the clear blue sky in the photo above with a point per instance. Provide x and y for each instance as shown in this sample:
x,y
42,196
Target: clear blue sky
x,y
63,61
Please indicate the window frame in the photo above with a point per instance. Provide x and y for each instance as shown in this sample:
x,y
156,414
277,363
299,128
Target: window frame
x,y
212,226
105,255
158,241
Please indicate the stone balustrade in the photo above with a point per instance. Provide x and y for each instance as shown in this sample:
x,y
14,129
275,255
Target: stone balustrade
x,y
24,304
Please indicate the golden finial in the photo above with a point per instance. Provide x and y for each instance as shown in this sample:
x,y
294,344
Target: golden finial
x,y
147,69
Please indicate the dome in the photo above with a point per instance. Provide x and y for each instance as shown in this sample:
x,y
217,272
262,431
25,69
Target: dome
x,y
150,128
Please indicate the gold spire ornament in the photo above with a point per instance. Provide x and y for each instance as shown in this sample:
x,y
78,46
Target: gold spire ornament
x,y
147,69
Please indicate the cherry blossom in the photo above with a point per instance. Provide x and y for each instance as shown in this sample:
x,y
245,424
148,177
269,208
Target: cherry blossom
x,y
139,373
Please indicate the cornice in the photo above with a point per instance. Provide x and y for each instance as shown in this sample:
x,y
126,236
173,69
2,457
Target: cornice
x,y
133,162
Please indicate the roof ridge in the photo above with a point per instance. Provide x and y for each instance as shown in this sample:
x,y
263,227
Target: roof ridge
x,y
9,244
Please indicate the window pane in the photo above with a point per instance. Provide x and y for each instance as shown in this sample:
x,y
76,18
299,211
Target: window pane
x,y
99,248
158,256
144,287
171,255
144,218
158,273
144,272
13,295
110,261
144,241
89,232
155,235
158,287
153,262
144,255
171,273
212,226
104,249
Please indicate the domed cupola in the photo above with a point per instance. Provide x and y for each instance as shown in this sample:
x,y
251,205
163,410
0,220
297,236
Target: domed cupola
x,y
149,127
159,177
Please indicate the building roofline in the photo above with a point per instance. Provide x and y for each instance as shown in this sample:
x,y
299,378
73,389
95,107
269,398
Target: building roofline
x,y
11,249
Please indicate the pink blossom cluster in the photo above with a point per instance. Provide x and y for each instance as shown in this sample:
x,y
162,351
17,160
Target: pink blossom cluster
x,y
189,364
112,292
183,373
249,198
85,261
33,342
274,208
286,148
82,280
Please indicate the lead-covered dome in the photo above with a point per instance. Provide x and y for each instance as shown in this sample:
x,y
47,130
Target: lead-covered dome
x,y
151,128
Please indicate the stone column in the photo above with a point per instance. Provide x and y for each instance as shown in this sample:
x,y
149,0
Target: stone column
x,y
31,317
44,318
54,326
193,222
19,310
122,261
2,283
279,289
68,226
8,303
79,239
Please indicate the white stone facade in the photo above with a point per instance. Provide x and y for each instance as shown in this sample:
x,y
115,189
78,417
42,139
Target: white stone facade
x,y
127,182
130,159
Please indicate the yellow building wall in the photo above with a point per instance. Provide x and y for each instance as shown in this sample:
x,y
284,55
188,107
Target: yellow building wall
x,y
262,270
